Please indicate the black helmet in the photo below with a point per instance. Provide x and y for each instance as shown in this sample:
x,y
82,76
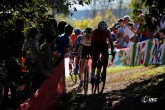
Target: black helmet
x,y
88,30
102,25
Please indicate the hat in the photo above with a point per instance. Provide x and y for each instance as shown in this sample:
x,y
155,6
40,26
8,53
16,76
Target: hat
x,y
120,20
126,16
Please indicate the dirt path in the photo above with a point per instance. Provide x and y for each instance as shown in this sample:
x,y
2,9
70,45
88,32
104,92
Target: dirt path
x,y
120,93
114,81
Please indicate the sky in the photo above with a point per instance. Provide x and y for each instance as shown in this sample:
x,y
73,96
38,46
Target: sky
x,y
113,4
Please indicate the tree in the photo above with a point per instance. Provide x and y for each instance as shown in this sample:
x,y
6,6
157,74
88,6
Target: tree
x,y
148,3
93,22
34,12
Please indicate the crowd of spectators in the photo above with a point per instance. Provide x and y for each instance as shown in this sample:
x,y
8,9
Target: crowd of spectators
x,y
150,25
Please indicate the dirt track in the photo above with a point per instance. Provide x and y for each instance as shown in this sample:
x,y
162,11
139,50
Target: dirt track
x,y
120,93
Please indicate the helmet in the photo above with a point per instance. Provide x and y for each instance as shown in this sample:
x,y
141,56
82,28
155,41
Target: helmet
x,y
88,30
102,25
77,31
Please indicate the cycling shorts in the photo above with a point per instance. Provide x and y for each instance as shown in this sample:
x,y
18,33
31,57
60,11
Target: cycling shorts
x,y
86,50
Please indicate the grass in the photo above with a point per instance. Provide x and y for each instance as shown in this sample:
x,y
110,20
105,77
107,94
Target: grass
x,y
113,70
149,72
122,68
68,78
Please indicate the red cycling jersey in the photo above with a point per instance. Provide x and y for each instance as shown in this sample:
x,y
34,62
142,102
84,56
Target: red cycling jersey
x,y
100,37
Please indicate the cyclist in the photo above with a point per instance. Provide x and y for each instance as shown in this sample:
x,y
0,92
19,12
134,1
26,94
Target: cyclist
x,y
101,41
73,38
85,49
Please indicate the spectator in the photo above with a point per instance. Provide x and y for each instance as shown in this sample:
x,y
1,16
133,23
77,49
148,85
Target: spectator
x,y
139,12
31,45
30,50
61,27
50,25
15,40
142,30
44,65
129,42
115,28
151,26
135,37
158,17
121,23
113,36
113,31
120,43
162,33
63,43
128,30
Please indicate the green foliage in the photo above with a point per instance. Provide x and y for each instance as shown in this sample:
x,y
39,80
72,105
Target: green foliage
x,y
93,22
60,17
34,13
137,4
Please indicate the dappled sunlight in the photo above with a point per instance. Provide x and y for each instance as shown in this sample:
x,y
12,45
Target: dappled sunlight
x,y
122,91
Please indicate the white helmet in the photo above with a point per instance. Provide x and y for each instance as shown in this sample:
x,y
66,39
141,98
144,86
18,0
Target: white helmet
x,y
102,25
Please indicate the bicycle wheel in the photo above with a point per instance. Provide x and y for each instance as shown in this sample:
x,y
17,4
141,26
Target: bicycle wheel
x,y
86,76
101,84
73,77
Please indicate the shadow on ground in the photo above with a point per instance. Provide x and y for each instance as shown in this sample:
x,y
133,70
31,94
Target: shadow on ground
x,y
126,99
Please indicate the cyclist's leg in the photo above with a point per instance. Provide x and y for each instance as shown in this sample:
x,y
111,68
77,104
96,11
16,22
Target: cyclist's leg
x,y
82,69
78,53
76,65
94,62
105,61
82,64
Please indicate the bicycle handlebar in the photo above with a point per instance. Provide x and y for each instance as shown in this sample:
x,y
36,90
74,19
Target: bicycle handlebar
x,y
113,56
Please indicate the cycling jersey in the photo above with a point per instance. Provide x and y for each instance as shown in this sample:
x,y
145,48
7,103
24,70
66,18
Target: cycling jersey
x,y
78,40
100,37
100,41
73,38
85,40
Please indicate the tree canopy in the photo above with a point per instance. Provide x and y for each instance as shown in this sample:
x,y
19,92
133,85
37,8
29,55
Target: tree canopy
x,y
148,3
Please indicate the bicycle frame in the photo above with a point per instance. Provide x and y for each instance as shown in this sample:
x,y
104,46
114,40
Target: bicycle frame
x,y
100,76
86,74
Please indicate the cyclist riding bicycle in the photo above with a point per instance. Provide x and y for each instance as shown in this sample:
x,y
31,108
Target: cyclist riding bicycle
x,y
73,37
73,47
101,41
77,45
85,49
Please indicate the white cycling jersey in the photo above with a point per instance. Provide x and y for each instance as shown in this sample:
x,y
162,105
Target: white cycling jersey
x,y
85,40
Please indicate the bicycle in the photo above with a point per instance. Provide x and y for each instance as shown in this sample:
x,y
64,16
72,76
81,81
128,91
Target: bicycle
x,y
86,75
100,80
